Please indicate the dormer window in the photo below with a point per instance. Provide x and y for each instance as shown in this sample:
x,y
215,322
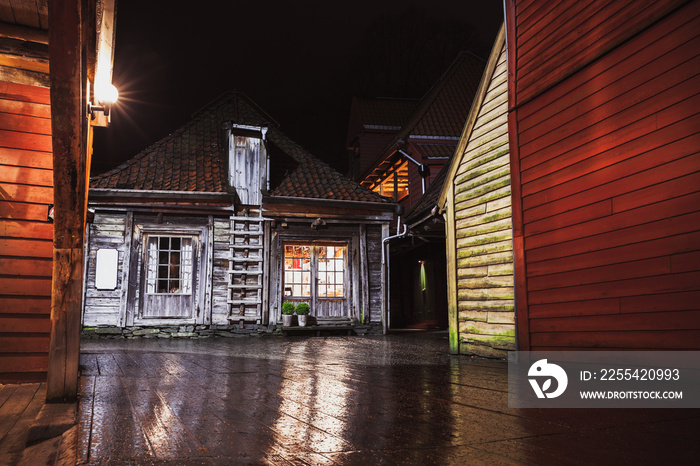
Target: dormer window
x,y
248,162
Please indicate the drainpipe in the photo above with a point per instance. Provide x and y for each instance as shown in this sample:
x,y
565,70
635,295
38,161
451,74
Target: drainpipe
x,y
387,269
422,169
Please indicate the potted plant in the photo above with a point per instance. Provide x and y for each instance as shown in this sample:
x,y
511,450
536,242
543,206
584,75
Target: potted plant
x,y
302,313
287,313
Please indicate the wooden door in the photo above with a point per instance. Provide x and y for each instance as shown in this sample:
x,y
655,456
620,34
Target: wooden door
x,y
169,271
317,274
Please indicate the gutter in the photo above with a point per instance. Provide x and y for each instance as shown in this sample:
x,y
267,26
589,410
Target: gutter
x,y
386,270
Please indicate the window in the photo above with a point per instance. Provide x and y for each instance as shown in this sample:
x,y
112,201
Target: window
x,y
169,265
317,270
331,271
394,183
297,271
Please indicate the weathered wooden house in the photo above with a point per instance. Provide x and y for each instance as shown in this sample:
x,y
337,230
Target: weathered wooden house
x,y
222,221
603,147
477,202
405,167
47,78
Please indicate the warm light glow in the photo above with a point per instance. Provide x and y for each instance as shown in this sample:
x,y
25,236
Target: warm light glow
x,y
106,93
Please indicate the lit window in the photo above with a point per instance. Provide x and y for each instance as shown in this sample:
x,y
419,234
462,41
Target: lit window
x,y
297,271
331,272
395,182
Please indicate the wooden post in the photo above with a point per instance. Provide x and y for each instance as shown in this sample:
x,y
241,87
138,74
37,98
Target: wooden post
x,y
70,162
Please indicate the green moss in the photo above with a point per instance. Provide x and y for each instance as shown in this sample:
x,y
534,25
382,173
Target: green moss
x,y
465,196
477,173
461,233
463,254
481,182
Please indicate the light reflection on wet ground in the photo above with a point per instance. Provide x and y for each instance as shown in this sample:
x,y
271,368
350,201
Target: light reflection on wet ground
x,y
399,399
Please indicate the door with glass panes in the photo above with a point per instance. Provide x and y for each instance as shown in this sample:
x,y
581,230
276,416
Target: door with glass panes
x,y
317,274
169,271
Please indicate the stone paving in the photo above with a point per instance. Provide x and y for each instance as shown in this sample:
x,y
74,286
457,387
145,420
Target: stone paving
x,y
397,399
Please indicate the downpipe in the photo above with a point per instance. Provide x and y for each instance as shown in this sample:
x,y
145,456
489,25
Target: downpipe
x,y
386,314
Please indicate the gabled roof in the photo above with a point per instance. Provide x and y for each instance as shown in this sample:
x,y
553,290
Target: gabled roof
x,y
441,113
443,110
384,112
193,159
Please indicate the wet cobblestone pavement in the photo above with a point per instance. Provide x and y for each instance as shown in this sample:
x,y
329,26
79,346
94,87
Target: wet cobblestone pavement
x,y
397,399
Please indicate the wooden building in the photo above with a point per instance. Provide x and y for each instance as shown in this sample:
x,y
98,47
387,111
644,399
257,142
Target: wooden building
x,y
477,203
400,156
603,142
45,146
222,221
604,139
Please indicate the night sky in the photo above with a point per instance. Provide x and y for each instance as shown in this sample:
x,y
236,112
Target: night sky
x,y
302,62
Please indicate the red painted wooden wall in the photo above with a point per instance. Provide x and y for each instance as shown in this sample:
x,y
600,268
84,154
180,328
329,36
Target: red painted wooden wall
x,y
26,190
605,140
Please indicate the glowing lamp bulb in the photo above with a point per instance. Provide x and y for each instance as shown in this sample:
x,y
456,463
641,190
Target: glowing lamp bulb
x,y
106,93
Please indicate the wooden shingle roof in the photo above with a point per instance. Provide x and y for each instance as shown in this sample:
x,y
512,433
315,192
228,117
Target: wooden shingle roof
x,y
193,159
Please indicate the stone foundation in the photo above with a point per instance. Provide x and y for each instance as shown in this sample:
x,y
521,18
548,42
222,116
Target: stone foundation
x,y
191,332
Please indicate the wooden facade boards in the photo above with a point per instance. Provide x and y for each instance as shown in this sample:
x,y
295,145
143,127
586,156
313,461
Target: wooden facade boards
x,y
604,116
26,191
480,242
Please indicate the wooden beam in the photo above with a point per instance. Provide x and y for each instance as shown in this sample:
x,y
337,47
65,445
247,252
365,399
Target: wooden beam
x,y
70,159
26,33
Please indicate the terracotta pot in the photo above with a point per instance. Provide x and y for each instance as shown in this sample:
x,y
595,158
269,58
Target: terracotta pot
x,y
287,320
302,320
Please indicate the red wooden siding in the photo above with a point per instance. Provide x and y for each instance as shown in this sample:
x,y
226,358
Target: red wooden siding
x,y
556,38
607,115
26,190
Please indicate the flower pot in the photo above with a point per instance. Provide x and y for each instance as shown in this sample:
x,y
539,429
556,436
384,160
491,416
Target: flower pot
x,y
302,320
287,320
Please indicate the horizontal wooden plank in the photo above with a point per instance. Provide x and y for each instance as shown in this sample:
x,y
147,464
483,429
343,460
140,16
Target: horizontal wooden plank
x,y
616,175
570,217
25,123
29,324
622,228
26,248
678,301
13,266
687,262
24,364
26,175
24,211
25,141
25,286
24,93
667,190
637,269
25,305
25,108
625,252
678,282
25,229
648,321
24,344
26,158
25,193
577,308
629,340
